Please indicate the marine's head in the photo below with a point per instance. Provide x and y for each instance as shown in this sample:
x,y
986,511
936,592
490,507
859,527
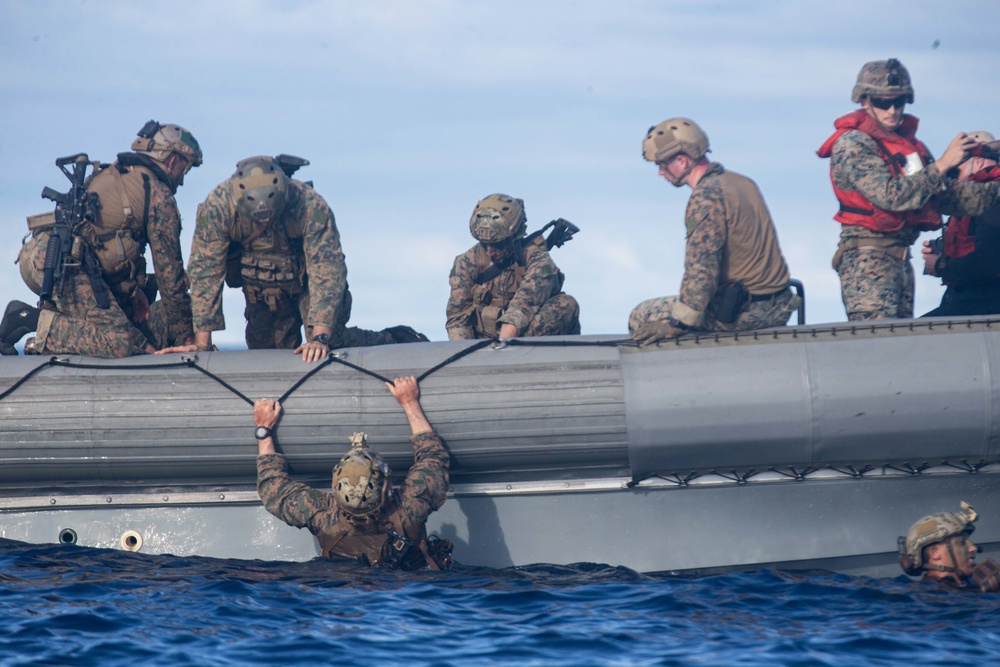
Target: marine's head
x,y
883,88
676,145
978,161
170,146
259,188
497,222
940,543
361,480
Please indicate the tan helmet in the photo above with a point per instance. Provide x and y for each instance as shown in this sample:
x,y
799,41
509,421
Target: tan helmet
x,y
883,78
497,218
259,188
982,136
931,530
673,136
361,480
160,141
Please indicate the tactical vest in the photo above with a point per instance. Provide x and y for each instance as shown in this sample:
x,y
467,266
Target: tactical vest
x,y
388,540
895,149
491,298
267,260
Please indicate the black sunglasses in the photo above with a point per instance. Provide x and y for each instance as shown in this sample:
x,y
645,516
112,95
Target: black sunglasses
x,y
885,103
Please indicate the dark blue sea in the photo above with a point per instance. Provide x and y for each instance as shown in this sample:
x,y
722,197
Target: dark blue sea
x,y
68,605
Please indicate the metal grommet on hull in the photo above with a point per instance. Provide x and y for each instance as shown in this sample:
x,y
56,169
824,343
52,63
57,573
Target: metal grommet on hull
x,y
67,536
131,540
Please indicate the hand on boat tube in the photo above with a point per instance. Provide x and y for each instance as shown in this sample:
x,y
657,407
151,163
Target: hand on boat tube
x,y
318,347
654,332
266,412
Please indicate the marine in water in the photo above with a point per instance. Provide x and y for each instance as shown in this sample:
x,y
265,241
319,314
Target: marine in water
x,y
940,548
364,517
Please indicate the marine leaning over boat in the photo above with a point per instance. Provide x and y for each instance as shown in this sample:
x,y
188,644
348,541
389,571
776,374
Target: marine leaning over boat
x,y
506,286
364,517
275,237
735,277
967,256
135,206
939,546
890,189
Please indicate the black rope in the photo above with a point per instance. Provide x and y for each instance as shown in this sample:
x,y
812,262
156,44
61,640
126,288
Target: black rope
x,y
190,362
10,390
455,357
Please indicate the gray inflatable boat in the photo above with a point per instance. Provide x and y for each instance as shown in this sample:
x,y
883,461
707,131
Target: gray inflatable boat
x,y
800,447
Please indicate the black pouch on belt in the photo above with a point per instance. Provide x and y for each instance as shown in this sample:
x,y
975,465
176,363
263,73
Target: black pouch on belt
x,y
731,300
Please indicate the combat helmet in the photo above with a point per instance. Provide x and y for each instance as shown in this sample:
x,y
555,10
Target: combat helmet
x,y
260,189
982,136
361,481
497,218
931,530
883,78
673,136
159,141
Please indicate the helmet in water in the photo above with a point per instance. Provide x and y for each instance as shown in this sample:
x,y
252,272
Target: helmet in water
x,y
260,189
361,481
497,218
931,530
883,78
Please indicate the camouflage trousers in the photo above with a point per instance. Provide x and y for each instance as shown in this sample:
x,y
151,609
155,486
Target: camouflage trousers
x,y
559,316
875,285
281,329
79,326
772,312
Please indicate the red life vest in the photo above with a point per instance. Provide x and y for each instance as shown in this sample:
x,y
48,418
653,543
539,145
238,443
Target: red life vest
x,y
855,209
958,242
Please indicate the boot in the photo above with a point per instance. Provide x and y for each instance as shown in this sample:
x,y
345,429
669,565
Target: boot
x,y
404,334
18,319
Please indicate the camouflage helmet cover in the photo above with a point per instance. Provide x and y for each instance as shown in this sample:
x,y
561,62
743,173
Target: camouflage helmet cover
x,y
160,141
934,529
497,218
259,188
673,136
883,78
361,479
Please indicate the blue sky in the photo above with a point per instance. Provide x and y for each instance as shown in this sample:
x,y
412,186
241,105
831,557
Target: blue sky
x,y
412,111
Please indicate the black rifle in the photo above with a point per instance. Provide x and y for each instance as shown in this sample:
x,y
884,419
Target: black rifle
x,y
562,231
73,209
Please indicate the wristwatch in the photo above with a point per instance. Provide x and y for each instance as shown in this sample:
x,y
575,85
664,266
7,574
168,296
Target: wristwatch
x,y
322,338
262,433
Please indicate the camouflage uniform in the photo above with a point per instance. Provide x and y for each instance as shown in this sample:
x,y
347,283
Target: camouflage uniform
x,y
714,226
313,292
79,326
877,282
527,294
423,491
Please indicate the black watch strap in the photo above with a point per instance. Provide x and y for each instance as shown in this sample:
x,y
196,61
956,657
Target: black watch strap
x,y
262,432
322,338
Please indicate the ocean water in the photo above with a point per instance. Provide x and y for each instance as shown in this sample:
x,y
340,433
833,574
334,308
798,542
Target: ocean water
x,y
68,605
